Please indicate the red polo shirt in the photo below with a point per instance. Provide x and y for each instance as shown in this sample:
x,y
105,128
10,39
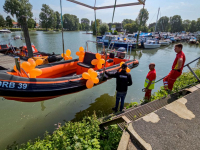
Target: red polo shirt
x,y
151,75
179,55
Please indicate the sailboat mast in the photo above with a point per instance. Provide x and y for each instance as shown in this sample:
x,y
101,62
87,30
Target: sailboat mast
x,y
157,18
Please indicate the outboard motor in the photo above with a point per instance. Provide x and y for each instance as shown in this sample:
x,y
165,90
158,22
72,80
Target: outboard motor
x,y
121,52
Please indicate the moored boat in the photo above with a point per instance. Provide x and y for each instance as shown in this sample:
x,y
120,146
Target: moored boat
x,y
151,44
59,78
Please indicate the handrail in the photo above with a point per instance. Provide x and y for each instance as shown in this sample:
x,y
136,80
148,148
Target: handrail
x,y
189,69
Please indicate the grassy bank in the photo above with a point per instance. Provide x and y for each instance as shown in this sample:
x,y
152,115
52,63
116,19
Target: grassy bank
x,y
82,135
187,79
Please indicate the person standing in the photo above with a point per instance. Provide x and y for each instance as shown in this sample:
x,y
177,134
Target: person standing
x,y
149,82
177,68
123,80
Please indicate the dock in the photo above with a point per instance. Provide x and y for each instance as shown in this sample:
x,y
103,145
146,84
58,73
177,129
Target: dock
x,y
7,62
168,123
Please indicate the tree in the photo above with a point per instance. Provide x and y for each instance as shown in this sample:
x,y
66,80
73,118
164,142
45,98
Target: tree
x,y
176,23
152,25
18,8
126,21
58,19
98,22
103,28
198,25
163,24
193,27
142,17
2,21
47,16
9,21
131,27
85,24
31,23
186,25
70,22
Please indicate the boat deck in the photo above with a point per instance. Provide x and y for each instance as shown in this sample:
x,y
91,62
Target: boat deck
x,y
7,61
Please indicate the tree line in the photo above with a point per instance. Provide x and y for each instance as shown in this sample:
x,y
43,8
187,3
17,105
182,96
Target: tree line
x,y
48,17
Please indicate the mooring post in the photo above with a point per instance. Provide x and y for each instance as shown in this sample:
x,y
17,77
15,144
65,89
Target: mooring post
x,y
26,36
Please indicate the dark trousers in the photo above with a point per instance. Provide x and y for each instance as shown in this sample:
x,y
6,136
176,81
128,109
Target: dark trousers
x,y
120,95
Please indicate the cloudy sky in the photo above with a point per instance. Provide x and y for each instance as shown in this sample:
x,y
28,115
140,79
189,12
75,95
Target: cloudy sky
x,y
187,9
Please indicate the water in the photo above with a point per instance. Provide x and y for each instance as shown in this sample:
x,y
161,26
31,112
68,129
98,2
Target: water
x,y
23,121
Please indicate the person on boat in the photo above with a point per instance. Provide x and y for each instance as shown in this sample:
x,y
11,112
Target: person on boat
x,y
123,80
149,82
177,68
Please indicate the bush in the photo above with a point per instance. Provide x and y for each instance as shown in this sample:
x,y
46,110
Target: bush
x,y
115,32
83,135
103,28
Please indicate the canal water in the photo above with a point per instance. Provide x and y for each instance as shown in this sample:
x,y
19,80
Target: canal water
x,y
23,121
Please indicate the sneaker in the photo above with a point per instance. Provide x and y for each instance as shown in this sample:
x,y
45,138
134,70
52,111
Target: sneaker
x,y
114,109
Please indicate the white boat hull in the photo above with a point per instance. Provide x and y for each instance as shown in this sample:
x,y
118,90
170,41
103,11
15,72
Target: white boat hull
x,y
151,46
164,43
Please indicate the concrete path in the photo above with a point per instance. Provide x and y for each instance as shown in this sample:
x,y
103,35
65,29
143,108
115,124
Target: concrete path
x,y
173,127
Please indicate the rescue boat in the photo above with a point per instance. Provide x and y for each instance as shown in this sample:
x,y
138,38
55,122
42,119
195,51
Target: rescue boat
x,y
22,52
58,78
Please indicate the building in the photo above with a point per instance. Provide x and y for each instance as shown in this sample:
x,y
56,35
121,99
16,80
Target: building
x,y
16,25
116,25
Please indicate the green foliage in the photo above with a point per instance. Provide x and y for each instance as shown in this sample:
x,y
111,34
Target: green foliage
x,y
57,20
127,21
193,26
186,25
143,17
31,23
163,24
47,17
9,21
115,32
70,22
18,8
198,24
131,27
98,22
2,21
15,29
132,104
85,24
82,135
176,23
103,28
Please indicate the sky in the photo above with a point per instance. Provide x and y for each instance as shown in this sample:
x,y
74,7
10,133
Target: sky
x,y
187,9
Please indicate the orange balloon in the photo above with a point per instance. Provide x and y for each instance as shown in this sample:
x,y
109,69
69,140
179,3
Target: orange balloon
x,y
62,55
128,70
93,74
68,52
82,53
86,75
70,57
81,58
66,57
102,61
32,76
39,62
95,80
121,63
81,49
90,71
77,53
26,66
15,68
89,84
98,56
94,61
32,62
99,65
36,72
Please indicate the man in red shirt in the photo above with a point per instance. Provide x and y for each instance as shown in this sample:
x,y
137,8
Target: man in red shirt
x,y
177,68
150,81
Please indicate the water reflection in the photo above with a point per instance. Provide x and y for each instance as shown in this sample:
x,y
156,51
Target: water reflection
x,y
102,106
42,106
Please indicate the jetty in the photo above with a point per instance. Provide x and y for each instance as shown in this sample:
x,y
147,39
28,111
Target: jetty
x,y
168,123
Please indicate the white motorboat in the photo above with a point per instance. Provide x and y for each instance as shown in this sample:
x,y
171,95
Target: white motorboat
x,y
193,40
164,42
5,31
151,44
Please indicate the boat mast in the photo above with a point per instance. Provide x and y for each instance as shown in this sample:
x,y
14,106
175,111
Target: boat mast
x,y
157,18
62,26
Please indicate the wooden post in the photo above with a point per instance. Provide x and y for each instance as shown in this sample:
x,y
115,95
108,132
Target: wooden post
x,y
26,36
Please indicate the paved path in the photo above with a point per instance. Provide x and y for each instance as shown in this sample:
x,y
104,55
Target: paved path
x,y
176,126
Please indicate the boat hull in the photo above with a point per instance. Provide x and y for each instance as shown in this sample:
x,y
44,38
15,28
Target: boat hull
x,y
151,46
38,89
